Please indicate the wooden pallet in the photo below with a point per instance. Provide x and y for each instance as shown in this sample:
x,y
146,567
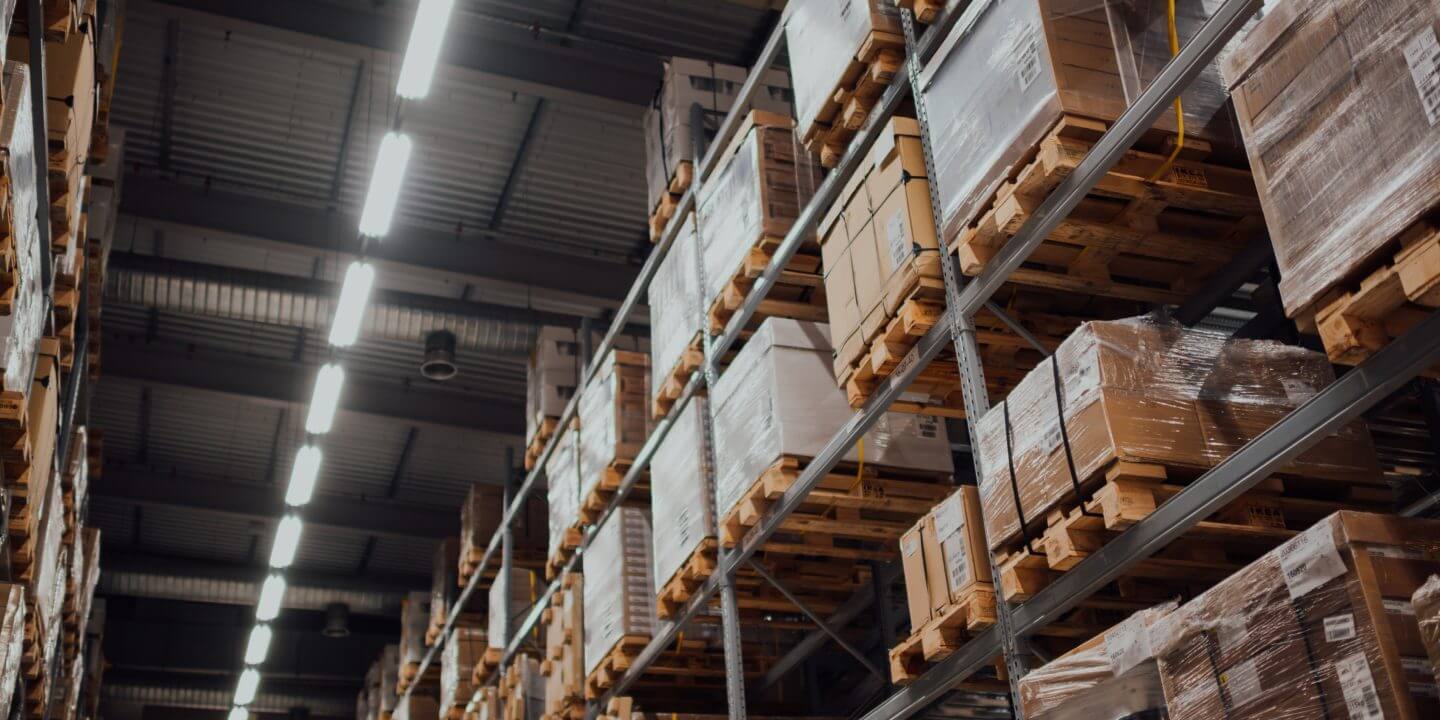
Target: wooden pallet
x,y
61,18
593,505
677,591
925,10
670,199
1130,237
1356,323
799,293
880,57
487,665
1259,521
543,433
669,388
569,542
936,640
614,665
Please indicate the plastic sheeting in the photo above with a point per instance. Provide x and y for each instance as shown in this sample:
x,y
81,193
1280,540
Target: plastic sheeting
x,y
462,651
12,642
614,414
524,589
619,584
822,38
676,315
21,328
682,497
389,678
1339,103
562,477
1113,675
1147,391
1427,610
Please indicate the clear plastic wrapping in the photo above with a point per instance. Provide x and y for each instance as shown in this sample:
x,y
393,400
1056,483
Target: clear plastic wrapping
x,y
414,619
619,584
462,650
551,376
562,491
682,498
1147,391
778,398
822,38
614,415
1112,675
1427,611
1009,70
1339,103
51,575
524,591
21,328
1321,627
389,678
12,642
676,316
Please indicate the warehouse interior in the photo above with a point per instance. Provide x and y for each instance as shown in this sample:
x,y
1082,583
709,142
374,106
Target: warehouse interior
x,y
376,274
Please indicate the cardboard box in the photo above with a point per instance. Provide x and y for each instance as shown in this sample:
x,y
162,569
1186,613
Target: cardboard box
x,y
417,706
414,619
676,317
562,489
22,327
444,582
564,663
551,376
389,679
682,496
614,416
458,657
823,37
1320,627
1312,82
1427,612
524,589
943,556
1112,675
70,91
12,641
619,588
1004,80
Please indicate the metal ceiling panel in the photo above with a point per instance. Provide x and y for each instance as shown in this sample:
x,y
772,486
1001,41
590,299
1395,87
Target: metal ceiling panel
x,y
404,556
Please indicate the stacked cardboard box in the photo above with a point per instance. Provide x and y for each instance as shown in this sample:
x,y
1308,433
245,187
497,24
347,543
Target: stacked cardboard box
x,y
417,706
523,590
12,642
564,663
369,700
464,648
1112,675
414,621
479,519
22,326
562,491
676,319
487,705
619,594
551,378
444,587
944,558
614,421
389,680
1321,627
523,690
1427,611
682,499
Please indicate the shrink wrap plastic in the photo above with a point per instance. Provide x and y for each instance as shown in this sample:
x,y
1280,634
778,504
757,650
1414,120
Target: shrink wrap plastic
x,y
1010,69
1321,627
22,326
389,678
562,491
414,619
12,642
676,316
614,414
1427,610
1110,676
779,398
551,376
822,38
682,498
1339,104
1147,391
372,691
457,661
619,593
524,589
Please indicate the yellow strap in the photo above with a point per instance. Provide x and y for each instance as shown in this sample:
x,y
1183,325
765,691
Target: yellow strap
x,y
1179,107
859,471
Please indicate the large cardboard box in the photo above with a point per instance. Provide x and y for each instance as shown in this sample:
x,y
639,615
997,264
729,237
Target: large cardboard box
x,y
676,315
823,38
480,518
1002,81
70,93
619,588
523,590
778,398
444,585
682,495
1146,391
551,376
562,490
1427,611
417,706
614,418
944,556
1112,675
458,657
564,663
414,619
12,641
22,326
1320,627
669,131
389,679
1339,103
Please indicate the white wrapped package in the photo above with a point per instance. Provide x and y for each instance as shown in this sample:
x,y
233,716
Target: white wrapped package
x,y
523,591
614,415
389,678
619,584
1009,70
414,619
682,499
676,315
822,37
779,398
562,475
21,328
462,650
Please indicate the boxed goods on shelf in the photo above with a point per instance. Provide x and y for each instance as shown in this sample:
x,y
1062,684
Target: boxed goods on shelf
x,y
444,587
22,323
564,663
479,518
1339,103
1112,675
562,492
414,620
743,212
670,133
1427,611
614,422
12,642
389,680
551,377
487,704
463,650
619,596
682,508
842,55
417,706
1133,410
371,692
948,586
676,320
925,10
69,94
523,690
1026,89
362,705
1322,626
523,590
61,17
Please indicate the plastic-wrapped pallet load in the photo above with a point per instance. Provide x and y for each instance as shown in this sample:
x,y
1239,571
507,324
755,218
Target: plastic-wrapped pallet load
x,y
824,38
551,377
564,664
1112,675
479,516
685,83
778,398
1427,611
12,642
22,326
1151,393
372,691
676,316
562,491
1010,70
614,419
444,586
525,690
418,705
1339,103
523,591
1321,627
414,620
389,680
682,498
462,650
619,595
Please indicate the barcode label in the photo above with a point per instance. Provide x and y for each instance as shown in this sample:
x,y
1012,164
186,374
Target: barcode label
x,y
1310,560
949,516
1127,644
1359,688
1027,66
957,565
1423,55
1339,628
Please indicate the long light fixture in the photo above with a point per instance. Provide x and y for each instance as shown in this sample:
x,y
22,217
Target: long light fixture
x,y
271,595
350,309
385,185
426,36
302,476
287,541
328,383
258,646
238,713
246,687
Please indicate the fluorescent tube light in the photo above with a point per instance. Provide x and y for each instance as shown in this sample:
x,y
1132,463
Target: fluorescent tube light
x,y
426,37
239,713
271,594
302,476
259,645
385,185
287,540
350,308
246,687
326,398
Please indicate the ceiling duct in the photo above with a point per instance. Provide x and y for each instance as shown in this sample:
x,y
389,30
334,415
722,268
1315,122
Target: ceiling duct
x,y
439,362
337,620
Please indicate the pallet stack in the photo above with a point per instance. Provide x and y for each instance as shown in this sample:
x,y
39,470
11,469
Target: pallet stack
x,y
523,590
522,690
463,650
479,519
564,663
414,622
618,597
551,378
682,506
614,420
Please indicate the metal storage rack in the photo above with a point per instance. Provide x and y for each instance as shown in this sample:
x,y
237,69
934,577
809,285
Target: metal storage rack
x,y
1340,403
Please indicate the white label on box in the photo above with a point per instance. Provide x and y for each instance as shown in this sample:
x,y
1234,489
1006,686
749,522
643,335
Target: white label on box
x,y
1242,682
1310,560
957,566
1417,665
1398,607
1339,628
1027,65
1127,644
1052,440
1423,55
910,544
1297,391
1359,688
949,516
899,239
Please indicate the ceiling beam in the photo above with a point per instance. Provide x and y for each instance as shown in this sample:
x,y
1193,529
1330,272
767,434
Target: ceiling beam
x,y
279,381
148,487
528,53
479,252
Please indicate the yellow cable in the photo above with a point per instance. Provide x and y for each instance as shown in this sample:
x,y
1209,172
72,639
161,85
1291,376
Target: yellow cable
x,y
1179,107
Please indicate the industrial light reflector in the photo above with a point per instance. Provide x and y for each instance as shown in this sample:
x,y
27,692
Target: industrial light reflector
x,y
271,593
259,645
246,687
350,309
426,36
239,713
327,396
385,185
302,476
287,539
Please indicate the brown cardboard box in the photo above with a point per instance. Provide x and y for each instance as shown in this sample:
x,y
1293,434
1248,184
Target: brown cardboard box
x,y
1427,610
1111,675
70,92
943,556
912,562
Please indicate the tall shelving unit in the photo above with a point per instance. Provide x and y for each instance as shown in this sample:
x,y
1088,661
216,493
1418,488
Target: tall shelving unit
x,y
1340,403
